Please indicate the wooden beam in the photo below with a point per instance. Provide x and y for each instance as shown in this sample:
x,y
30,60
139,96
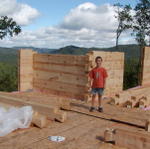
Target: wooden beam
x,y
60,59
147,126
47,110
65,68
110,146
59,93
132,139
39,120
109,135
118,117
60,86
63,77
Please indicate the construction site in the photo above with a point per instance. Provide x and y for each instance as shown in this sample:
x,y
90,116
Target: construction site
x,y
57,88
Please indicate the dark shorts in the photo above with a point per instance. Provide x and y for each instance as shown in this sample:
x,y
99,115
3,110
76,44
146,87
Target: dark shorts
x,y
97,91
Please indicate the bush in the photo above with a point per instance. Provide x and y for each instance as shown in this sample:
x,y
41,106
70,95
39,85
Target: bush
x,y
8,77
131,71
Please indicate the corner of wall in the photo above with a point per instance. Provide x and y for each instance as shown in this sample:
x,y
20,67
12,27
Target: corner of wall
x,y
25,69
145,80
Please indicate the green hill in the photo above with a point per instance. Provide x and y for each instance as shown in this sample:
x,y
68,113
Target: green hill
x,y
8,55
131,51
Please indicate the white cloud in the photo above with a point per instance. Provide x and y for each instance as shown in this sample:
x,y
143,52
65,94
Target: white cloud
x,y
87,25
90,16
23,14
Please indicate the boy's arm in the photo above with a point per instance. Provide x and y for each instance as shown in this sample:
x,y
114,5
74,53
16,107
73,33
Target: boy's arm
x,y
91,82
91,78
104,82
105,77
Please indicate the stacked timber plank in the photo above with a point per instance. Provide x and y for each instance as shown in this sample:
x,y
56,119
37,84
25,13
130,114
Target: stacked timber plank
x,y
39,120
134,117
62,75
146,66
136,97
51,112
67,75
25,73
131,138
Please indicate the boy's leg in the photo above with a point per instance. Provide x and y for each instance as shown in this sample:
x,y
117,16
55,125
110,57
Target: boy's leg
x,y
93,99
93,92
100,109
100,100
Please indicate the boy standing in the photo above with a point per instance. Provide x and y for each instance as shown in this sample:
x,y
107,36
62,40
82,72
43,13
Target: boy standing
x,y
98,77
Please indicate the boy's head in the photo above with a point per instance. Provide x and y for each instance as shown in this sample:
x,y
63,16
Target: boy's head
x,y
98,60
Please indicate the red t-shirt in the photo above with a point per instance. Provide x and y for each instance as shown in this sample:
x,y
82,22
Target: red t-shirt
x,y
98,75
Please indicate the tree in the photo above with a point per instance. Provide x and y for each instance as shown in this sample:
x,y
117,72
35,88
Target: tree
x,y
8,27
141,27
124,19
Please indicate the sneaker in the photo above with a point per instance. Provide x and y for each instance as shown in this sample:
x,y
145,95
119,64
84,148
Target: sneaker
x,y
92,109
100,109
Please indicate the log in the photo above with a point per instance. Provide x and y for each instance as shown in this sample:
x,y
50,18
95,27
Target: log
x,y
64,104
63,77
60,59
110,146
58,85
147,125
51,112
143,102
39,120
132,139
121,118
109,135
60,116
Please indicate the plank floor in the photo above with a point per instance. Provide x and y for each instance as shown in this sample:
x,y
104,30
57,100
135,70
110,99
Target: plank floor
x,y
80,130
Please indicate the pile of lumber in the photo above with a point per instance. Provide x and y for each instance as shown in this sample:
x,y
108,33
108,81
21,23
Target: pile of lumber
x,y
128,138
137,97
51,112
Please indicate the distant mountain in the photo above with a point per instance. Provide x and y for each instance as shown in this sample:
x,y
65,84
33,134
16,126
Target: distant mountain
x,y
71,50
39,50
131,51
9,55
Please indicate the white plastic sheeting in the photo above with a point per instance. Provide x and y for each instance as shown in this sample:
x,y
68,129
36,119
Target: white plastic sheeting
x,y
14,118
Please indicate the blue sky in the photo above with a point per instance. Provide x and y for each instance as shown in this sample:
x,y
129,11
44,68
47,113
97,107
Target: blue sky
x,y
53,11
59,23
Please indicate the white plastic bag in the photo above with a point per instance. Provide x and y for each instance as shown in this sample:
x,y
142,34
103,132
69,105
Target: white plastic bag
x,y
14,118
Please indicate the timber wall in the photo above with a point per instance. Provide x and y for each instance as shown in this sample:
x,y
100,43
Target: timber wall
x,y
60,74
67,75
25,71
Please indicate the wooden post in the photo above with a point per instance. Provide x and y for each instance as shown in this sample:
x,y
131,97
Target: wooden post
x,y
145,62
109,135
88,67
39,120
147,125
25,71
